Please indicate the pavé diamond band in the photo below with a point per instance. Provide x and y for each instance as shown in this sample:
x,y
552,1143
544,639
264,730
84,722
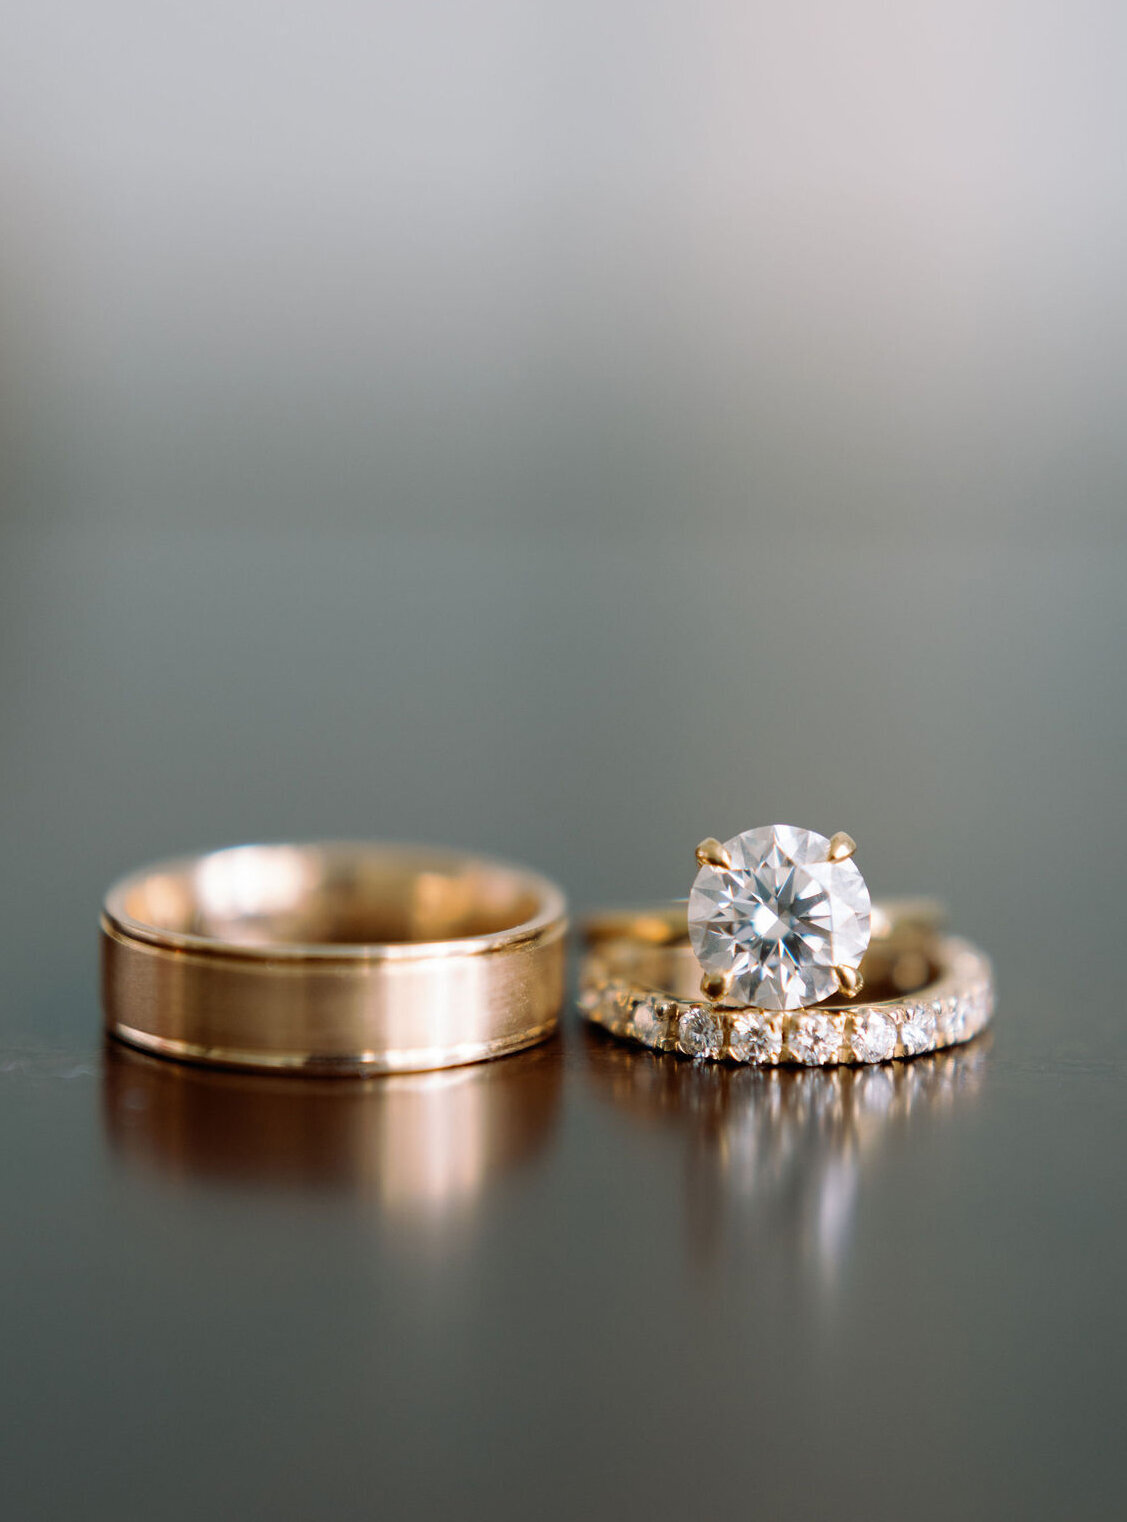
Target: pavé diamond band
x,y
781,922
328,959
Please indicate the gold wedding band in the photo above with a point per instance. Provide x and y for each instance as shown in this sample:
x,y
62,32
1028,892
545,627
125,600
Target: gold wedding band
x,y
333,958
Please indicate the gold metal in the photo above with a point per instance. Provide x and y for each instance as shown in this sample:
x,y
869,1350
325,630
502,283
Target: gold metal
x,y
715,985
849,981
710,853
333,958
842,846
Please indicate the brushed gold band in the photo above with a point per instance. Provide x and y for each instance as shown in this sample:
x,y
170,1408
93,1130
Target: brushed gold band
x,y
333,958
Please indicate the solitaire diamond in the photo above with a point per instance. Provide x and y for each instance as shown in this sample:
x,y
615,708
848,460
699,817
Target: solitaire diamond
x,y
779,917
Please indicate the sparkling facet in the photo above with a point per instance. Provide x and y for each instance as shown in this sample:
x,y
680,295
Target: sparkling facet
x,y
699,1034
978,1006
874,1037
814,1039
648,1027
917,1029
951,1017
756,1038
780,917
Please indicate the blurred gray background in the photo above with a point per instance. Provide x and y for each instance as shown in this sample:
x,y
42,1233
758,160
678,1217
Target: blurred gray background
x,y
568,431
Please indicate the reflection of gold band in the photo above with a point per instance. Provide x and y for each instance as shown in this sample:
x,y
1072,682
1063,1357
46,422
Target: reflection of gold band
x,y
640,980
333,958
421,1143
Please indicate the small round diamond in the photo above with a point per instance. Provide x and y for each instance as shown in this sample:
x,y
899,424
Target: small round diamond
x,y
874,1037
952,1018
814,1040
779,918
648,1025
978,1009
917,1029
699,1034
756,1038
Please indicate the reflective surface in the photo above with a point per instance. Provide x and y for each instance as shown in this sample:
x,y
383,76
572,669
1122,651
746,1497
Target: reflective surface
x,y
422,1146
583,1280
563,431
774,1161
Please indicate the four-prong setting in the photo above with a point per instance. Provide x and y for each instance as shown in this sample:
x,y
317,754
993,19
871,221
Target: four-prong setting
x,y
710,853
715,985
842,847
849,981
779,918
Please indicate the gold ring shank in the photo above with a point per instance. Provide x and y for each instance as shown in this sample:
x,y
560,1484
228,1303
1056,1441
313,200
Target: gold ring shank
x,y
333,958
924,990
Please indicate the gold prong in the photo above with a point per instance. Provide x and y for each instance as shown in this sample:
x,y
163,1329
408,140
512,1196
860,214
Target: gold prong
x,y
842,846
849,980
714,985
710,853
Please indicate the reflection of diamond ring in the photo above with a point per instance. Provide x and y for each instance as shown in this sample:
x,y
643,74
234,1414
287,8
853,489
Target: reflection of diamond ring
x,y
780,920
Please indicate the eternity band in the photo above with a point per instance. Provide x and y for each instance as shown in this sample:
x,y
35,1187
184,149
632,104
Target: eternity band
x,y
333,958
926,990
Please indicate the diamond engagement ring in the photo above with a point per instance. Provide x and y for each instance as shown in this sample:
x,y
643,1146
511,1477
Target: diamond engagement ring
x,y
765,963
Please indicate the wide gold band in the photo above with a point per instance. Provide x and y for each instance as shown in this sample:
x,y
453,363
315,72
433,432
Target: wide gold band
x,y
923,990
338,958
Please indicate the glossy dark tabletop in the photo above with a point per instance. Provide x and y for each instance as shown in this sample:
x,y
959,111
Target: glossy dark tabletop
x,y
567,430
583,1281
